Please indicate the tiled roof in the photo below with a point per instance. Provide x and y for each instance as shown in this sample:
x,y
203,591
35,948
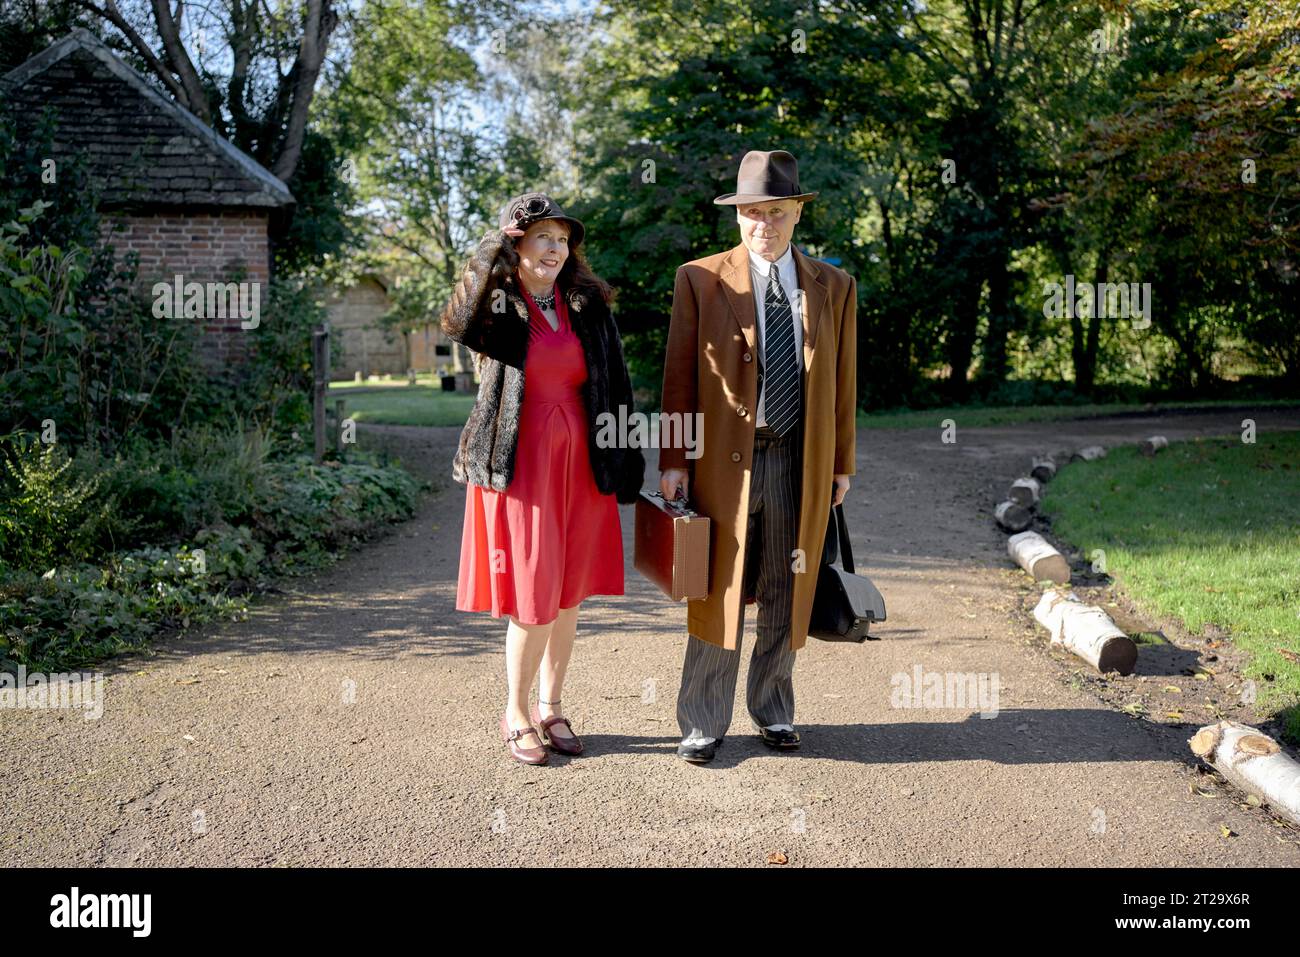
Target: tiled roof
x,y
142,148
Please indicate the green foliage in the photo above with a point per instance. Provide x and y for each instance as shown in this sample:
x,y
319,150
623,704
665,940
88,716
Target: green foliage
x,y
880,107
46,509
274,387
79,614
77,347
309,510
319,227
99,552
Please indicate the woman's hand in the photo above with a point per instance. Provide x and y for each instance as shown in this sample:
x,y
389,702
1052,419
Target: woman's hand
x,y
509,255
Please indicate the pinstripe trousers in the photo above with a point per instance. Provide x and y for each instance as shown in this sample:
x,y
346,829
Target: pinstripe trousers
x,y
708,690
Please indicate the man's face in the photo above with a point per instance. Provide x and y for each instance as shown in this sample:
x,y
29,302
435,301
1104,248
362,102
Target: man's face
x,y
766,228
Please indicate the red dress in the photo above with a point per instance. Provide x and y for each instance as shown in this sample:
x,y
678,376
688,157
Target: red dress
x,y
555,537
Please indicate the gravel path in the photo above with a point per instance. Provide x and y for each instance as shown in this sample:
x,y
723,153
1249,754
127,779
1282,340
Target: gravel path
x,y
352,721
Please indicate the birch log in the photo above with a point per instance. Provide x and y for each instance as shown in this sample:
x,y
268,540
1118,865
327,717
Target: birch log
x,y
1086,631
1253,762
1024,491
1150,446
1044,469
1032,553
1013,516
1088,454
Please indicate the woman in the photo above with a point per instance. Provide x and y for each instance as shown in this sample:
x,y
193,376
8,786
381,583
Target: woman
x,y
542,528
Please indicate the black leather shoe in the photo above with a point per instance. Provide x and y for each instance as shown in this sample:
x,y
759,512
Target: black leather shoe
x,y
699,753
780,740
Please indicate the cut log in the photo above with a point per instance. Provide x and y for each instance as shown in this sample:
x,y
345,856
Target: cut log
x,y
1088,454
1024,491
1013,516
1153,444
1253,762
1086,631
1044,469
1032,553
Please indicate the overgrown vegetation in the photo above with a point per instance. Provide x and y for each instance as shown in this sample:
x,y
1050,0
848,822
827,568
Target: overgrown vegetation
x,y
141,489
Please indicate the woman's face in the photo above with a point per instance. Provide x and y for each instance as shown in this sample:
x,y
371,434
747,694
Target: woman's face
x,y
543,248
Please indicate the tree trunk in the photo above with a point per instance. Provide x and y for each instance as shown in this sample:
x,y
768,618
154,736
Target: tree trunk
x,y
1253,762
1086,631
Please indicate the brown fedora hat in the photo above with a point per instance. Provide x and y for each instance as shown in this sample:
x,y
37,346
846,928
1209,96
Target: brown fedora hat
x,y
765,176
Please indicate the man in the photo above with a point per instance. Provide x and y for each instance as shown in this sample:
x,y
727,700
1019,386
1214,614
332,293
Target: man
x,y
763,343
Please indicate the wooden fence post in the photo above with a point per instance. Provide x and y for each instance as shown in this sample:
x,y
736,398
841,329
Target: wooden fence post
x,y
320,360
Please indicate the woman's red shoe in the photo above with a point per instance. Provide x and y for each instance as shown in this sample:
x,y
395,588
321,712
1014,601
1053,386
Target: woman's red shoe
x,y
536,755
570,745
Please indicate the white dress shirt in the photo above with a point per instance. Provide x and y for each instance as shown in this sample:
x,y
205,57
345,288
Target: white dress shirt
x,y
786,272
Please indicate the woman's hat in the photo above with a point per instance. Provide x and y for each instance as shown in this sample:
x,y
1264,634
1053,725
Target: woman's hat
x,y
765,176
529,208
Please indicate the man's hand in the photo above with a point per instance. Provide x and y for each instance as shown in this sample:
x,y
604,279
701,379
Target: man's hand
x,y
841,489
671,480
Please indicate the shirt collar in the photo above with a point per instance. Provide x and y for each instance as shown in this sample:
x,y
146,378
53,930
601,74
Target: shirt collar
x,y
764,267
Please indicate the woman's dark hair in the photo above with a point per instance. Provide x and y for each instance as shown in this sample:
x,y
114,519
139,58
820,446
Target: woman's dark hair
x,y
576,274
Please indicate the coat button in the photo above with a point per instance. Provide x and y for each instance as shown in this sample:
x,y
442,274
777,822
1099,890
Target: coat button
x,y
735,456
748,357
741,411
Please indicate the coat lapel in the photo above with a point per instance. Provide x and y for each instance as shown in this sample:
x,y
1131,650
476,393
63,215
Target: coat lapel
x,y
739,293
813,299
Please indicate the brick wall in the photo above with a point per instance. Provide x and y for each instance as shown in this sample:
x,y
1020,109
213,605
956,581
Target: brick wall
x,y
201,247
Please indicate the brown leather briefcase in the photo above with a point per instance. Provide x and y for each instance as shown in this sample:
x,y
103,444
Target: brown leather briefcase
x,y
671,546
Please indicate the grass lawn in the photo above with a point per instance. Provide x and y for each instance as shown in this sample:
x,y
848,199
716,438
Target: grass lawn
x,y
396,403
1207,531
971,416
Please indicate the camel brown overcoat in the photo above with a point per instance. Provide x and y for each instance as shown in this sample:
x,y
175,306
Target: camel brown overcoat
x,y
711,367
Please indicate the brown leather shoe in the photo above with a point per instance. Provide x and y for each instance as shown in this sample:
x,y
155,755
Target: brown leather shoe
x,y
520,754
561,744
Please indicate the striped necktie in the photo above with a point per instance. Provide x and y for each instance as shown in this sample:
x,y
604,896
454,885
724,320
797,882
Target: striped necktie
x,y
781,400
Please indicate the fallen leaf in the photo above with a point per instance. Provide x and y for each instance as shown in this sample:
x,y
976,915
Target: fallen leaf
x,y
1227,831
776,857
1172,689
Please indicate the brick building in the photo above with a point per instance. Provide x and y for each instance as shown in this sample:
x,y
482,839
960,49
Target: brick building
x,y
189,202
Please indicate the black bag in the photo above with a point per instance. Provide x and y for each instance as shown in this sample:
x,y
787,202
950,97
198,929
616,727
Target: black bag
x,y
845,604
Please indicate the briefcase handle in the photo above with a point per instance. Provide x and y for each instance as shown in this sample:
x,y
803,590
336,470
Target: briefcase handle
x,y
679,505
